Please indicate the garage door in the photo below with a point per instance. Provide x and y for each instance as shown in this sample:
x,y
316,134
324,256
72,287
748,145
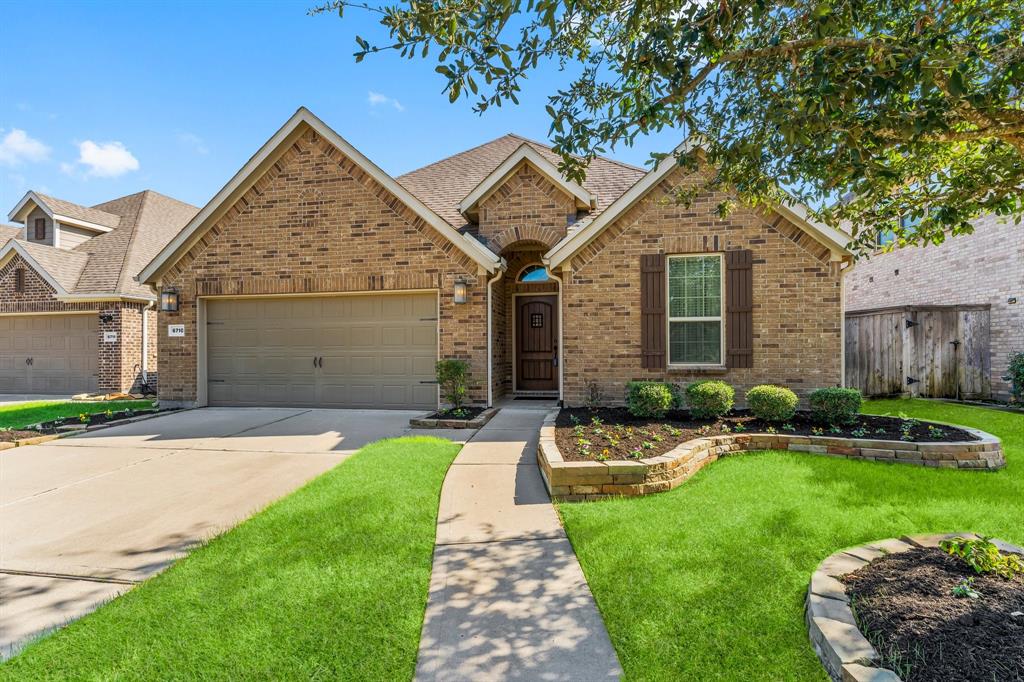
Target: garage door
x,y
344,351
48,353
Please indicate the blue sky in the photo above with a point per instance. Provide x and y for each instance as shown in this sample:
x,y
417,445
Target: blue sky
x,y
120,97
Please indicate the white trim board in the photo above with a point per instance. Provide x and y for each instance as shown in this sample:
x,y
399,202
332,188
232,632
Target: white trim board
x,y
524,154
266,155
574,242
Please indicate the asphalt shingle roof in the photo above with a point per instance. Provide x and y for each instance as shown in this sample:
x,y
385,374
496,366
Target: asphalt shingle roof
x,y
72,210
443,184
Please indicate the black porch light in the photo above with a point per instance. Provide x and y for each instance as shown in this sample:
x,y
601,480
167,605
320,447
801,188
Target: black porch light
x,y
169,300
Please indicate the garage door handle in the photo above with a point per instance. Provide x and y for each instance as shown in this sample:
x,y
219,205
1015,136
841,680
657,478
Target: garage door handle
x,y
431,381
321,362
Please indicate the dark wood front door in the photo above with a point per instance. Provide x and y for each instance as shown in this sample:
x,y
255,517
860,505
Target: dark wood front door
x,y
537,343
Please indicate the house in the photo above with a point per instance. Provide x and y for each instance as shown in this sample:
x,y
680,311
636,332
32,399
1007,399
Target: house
x,y
985,268
72,317
315,278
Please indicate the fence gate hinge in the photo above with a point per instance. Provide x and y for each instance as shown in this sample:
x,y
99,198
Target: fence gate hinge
x,y
911,380
912,323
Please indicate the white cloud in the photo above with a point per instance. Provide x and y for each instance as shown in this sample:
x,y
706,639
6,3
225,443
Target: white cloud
x,y
193,142
106,160
17,147
377,99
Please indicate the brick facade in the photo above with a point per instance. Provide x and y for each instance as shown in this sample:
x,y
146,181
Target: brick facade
x,y
116,360
984,267
315,222
797,308
526,206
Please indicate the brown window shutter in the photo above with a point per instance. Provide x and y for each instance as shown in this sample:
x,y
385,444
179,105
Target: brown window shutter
x,y
652,311
739,308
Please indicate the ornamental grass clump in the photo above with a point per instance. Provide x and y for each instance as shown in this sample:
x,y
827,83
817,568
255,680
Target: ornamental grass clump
x,y
651,398
772,403
835,405
709,399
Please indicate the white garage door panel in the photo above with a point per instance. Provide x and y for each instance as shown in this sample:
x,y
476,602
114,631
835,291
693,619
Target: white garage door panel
x,y
374,350
61,349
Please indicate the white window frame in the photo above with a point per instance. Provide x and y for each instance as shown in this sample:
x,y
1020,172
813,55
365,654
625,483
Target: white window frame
x,y
669,319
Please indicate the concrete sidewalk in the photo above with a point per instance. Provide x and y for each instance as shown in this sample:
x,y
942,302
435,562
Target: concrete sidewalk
x,y
508,600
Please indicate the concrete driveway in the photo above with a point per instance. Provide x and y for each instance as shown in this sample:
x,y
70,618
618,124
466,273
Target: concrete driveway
x,y
83,519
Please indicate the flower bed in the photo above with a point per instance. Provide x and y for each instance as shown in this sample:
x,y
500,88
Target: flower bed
x,y
613,433
904,595
569,480
467,418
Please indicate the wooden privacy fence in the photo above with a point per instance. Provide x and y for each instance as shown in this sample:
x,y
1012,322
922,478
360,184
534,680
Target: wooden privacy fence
x,y
928,351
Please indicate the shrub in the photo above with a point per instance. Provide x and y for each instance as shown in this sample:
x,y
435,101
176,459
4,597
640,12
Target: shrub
x,y
453,377
772,403
709,399
984,556
835,405
1015,375
651,398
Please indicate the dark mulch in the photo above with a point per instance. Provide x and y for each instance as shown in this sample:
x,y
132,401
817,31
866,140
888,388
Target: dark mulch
x,y
93,420
9,436
616,434
905,607
466,413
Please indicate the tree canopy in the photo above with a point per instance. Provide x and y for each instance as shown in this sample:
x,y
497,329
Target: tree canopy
x,y
880,115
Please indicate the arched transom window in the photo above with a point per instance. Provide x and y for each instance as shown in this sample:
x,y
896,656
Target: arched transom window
x,y
533,273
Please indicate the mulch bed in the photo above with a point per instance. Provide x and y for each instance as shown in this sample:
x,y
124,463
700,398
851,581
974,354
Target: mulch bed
x,y
9,436
583,434
466,413
904,605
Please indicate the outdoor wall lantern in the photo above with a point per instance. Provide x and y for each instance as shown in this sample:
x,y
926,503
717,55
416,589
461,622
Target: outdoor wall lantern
x,y
461,290
169,301
106,318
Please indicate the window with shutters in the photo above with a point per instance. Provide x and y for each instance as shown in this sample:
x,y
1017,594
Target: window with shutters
x,y
696,293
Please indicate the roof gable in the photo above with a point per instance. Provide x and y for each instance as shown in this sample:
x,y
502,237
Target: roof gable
x,y
65,212
524,154
577,240
59,270
265,158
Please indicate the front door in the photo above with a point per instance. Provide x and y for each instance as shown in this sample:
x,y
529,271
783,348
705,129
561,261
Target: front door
x,y
537,343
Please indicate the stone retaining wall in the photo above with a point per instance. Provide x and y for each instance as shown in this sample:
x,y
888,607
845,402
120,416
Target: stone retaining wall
x,y
572,481
846,654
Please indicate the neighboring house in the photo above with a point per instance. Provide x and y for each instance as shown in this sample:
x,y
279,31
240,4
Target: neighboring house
x,y
72,317
315,278
985,267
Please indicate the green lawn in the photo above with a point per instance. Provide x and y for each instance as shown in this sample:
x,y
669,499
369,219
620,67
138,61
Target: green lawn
x,y
329,583
707,582
25,414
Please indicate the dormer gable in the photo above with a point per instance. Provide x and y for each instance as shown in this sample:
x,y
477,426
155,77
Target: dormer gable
x,y
58,223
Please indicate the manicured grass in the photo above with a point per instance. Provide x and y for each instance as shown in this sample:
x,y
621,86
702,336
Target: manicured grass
x,y
329,583
26,414
708,581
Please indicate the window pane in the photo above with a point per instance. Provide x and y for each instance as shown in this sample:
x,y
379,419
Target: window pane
x,y
695,342
695,287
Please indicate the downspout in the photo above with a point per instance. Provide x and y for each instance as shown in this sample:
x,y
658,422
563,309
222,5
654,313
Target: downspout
x,y
490,353
145,343
842,324
561,333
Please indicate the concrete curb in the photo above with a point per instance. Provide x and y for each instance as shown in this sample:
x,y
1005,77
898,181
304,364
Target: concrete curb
x,y
575,481
846,654
71,430
475,423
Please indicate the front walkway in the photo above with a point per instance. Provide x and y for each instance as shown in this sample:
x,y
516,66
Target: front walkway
x,y
508,599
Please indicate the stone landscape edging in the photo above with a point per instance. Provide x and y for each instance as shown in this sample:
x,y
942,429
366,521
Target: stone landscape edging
x,y
574,481
474,423
69,430
841,647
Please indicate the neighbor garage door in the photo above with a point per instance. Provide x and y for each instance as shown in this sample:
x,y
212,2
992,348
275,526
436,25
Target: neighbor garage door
x,y
48,353
344,351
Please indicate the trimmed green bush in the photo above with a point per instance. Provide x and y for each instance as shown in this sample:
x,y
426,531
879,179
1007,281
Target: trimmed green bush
x,y
709,399
772,403
1015,375
453,376
835,405
651,398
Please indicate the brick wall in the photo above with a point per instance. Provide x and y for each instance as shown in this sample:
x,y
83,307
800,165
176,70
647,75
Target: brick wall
x,y
984,267
526,206
316,223
797,309
115,360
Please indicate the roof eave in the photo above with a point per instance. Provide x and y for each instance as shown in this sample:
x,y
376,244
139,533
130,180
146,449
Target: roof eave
x,y
266,154
12,247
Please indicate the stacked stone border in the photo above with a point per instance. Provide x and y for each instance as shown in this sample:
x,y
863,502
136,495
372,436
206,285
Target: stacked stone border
x,y
474,423
846,654
575,481
69,430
